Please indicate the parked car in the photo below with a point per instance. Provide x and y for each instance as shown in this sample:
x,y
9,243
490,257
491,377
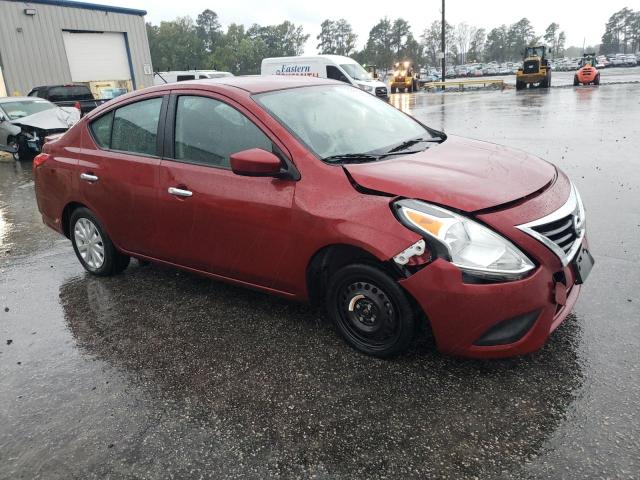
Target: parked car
x,y
351,203
70,95
25,122
161,78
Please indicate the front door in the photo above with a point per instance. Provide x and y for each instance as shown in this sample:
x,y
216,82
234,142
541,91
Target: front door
x,y
212,219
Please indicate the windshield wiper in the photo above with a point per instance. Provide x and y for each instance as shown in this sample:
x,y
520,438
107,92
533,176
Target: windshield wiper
x,y
351,158
410,143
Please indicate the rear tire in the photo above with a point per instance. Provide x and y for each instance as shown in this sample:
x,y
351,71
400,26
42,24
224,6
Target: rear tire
x,y
520,85
576,82
92,245
597,80
370,310
393,89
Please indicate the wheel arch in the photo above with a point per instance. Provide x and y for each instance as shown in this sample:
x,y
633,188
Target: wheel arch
x,y
65,218
332,257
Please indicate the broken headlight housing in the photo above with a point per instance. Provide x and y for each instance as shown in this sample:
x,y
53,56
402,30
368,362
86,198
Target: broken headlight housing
x,y
474,248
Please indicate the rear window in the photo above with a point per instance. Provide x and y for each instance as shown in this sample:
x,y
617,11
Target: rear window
x,y
70,93
135,127
101,129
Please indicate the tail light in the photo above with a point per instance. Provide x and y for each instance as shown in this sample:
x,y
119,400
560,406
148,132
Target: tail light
x,y
77,105
40,159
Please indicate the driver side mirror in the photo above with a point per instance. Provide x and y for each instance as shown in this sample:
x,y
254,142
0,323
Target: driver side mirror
x,y
255,162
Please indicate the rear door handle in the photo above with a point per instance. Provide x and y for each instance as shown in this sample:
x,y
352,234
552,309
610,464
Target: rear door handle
x,y
179,192
88,177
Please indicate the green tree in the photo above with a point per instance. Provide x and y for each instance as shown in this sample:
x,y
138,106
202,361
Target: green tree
x,y
209,29
519,35
622,32
378,49
175,45
477,44
497,46
345,38
431,40
562,38
336,37
400,32
327,37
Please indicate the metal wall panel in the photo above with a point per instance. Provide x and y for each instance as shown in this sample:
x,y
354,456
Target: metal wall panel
x,y
32,49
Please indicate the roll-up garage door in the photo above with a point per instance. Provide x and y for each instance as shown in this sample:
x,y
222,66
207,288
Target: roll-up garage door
x,y
97,56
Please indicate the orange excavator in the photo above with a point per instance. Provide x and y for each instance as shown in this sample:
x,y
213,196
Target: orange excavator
x,y
587,74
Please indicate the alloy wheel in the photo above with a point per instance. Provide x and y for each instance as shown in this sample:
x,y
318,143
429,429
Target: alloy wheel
x,y
89,243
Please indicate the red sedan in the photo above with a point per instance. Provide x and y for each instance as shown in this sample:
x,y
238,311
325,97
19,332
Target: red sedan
x,y
315,190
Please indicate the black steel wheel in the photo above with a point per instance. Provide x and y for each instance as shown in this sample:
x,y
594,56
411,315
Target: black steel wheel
x,y
370,310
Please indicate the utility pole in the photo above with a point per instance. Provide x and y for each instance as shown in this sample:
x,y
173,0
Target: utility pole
x,y
444,59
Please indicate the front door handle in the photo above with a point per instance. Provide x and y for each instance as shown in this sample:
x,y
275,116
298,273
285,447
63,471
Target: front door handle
x,y
88,177
179,192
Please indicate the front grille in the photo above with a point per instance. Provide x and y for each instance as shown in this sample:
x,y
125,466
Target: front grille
x,y
531,66
381,91
561,232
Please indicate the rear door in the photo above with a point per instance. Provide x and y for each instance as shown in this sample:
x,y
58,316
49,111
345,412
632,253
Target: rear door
x,y
118,170
211,219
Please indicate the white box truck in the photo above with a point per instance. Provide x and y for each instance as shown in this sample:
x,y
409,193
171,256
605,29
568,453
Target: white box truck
x,y
335,67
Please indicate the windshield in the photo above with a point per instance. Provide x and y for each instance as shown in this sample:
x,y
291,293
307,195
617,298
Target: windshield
x,y
336,120
356,72
535,51
24,108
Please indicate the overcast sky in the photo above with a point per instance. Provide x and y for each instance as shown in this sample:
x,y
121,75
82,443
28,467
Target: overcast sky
x,y
579,20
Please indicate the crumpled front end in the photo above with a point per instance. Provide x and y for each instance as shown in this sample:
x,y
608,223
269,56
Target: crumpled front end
x,y
475,318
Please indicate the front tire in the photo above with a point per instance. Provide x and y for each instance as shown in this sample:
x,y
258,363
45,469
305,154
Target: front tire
x,y
576,82
93,247
370,310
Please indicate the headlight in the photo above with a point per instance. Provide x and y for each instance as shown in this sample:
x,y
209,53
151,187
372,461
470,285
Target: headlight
x,y
469,245
366,88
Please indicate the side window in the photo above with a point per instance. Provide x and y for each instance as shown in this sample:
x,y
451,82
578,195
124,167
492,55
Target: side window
x,y
209,131
101,129
335,74
135,127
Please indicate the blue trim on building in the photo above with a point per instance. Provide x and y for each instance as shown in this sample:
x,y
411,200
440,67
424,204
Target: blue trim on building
x,y
86,6
133,76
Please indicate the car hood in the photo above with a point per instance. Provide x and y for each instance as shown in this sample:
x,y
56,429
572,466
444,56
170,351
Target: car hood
x,y
460,173
53,119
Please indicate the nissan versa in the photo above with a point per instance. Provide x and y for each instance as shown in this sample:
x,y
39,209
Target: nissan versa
x,y
315,190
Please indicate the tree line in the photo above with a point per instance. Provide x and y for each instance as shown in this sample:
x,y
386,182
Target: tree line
x,y
203,44
622,33
183,44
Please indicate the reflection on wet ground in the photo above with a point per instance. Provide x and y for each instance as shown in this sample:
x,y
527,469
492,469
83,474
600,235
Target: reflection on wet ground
x,y
161,374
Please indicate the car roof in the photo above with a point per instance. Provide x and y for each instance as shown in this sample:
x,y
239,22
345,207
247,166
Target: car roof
x,y
252,83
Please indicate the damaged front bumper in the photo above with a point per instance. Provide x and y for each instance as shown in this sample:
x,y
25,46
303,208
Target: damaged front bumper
x,y
492,320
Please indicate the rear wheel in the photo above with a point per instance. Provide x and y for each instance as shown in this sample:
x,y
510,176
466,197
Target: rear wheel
x,y
393,89
370,310
519,85
576,82
597,80
93,247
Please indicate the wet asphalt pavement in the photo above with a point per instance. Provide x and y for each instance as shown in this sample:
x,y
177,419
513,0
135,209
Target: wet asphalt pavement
x,y
161,374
